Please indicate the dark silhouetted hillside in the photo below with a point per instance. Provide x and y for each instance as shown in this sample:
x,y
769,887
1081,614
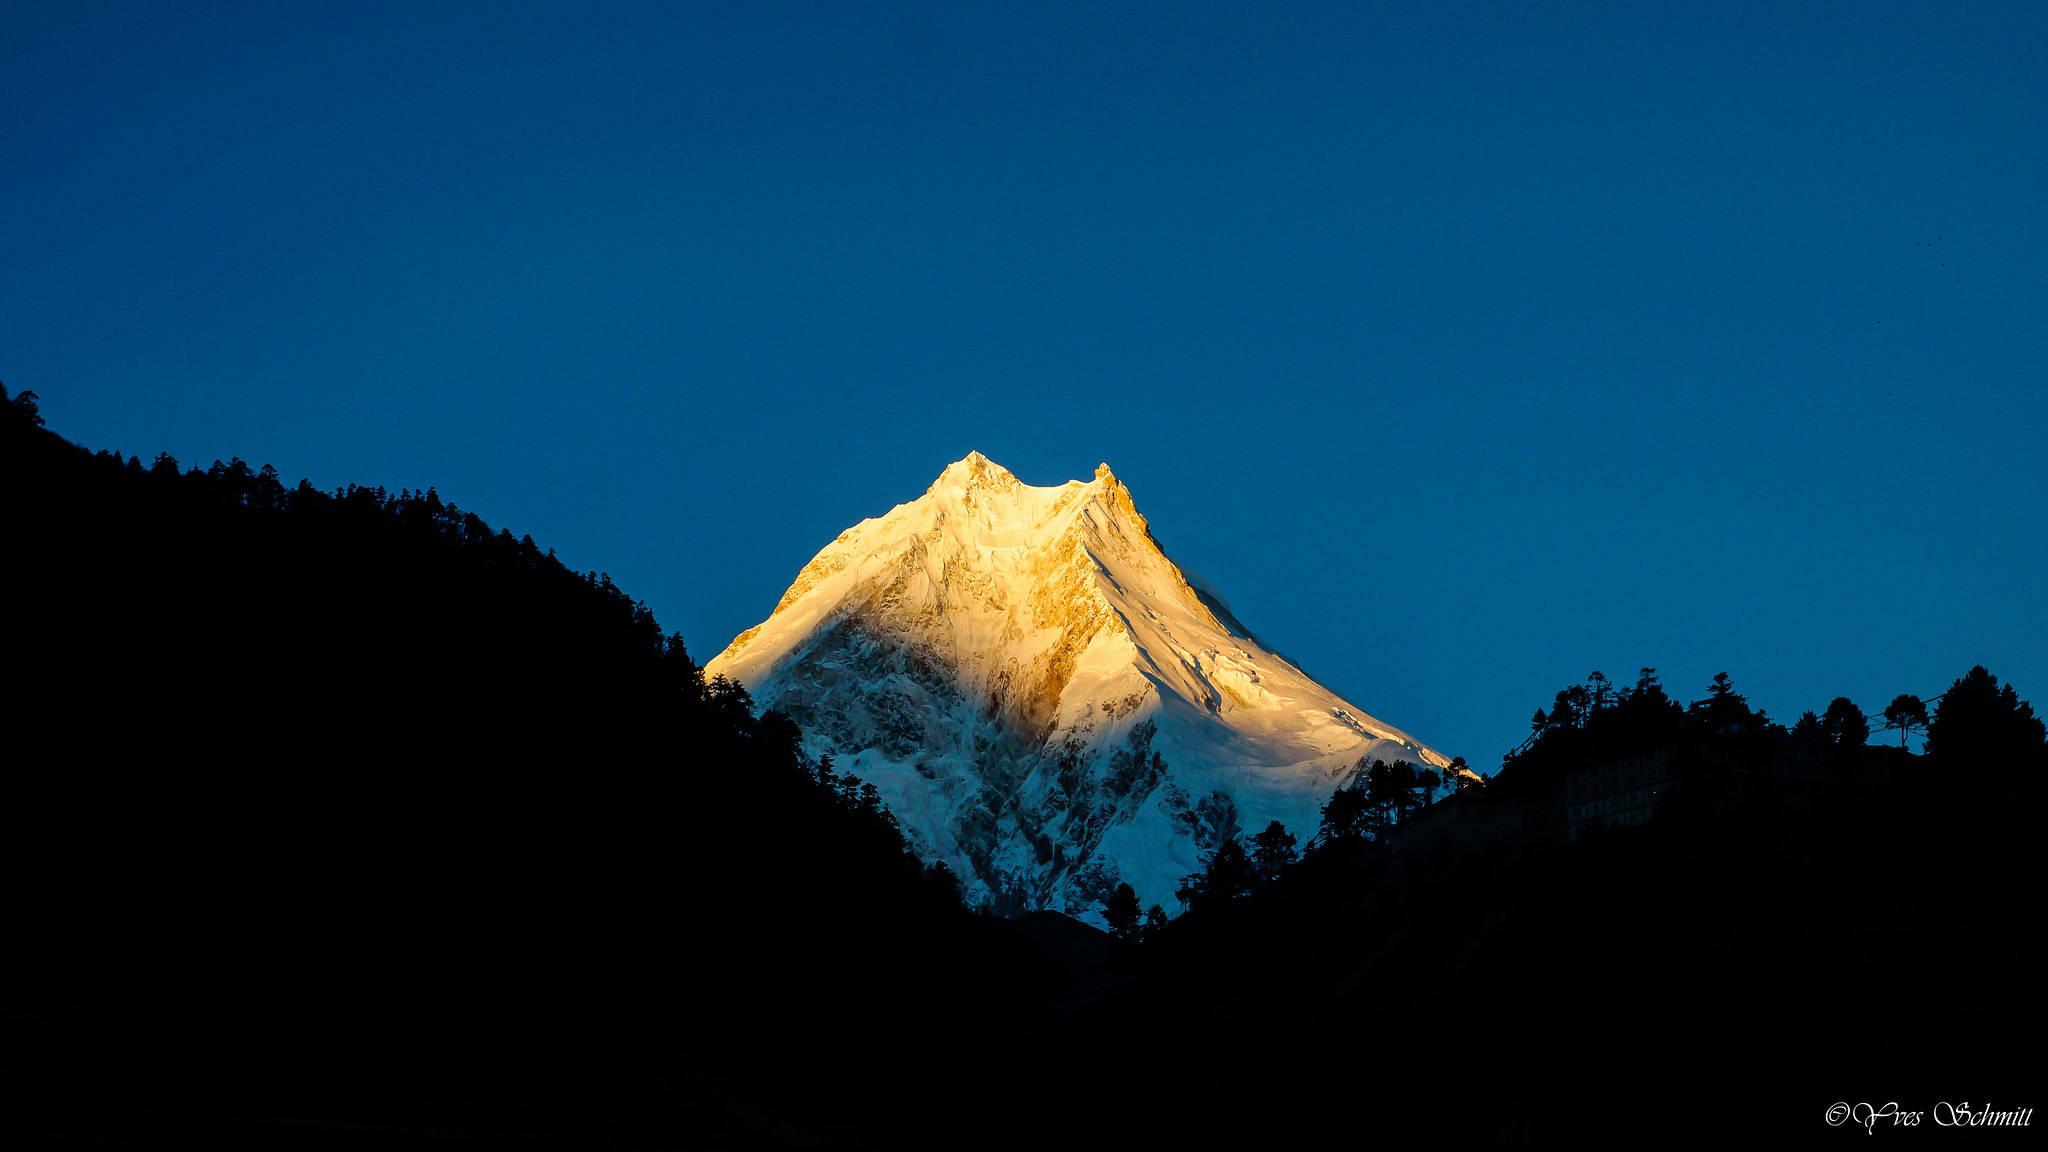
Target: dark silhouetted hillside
x,y
339,819
339,812
1800,923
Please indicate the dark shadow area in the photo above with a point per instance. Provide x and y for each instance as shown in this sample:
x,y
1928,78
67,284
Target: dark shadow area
x,y
340,820
1656,924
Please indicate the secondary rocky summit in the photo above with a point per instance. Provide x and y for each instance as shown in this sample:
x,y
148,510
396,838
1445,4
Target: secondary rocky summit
x,y
1046,701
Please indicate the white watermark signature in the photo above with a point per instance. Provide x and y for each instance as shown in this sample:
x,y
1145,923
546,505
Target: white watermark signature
x,y
1870,1117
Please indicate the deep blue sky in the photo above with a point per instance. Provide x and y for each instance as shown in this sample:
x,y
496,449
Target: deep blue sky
x,y
1467,348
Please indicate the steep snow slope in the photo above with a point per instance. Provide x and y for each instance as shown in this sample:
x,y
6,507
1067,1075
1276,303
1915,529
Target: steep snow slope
x,y
1047,703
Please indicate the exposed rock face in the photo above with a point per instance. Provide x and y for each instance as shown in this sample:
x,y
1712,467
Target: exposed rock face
x,y
1045,700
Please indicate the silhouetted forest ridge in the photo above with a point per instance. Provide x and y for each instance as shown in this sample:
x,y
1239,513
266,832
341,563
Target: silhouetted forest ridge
x,y
1657,923
337,819
339,812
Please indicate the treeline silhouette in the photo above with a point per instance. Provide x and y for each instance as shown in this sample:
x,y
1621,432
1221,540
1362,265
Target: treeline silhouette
x,y
340,813
1804,920
338,818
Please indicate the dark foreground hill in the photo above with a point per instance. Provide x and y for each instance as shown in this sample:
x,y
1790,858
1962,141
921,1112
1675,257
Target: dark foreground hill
x,y
339,818
1801,923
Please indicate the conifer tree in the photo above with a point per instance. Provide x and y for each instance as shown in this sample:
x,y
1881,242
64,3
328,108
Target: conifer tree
x,y
1226,875
1155,923
1120,912
24,406
1600,689
1272,851
1343,816
1844,723
1977,720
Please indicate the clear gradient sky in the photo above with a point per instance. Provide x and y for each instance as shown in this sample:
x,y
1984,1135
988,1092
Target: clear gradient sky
x,y
1466,348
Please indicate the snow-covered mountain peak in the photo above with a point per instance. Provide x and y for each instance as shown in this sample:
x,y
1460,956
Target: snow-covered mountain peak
x,y
1044,698
974,471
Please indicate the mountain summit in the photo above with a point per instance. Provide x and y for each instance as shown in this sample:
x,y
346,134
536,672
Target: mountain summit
x,y
1046,701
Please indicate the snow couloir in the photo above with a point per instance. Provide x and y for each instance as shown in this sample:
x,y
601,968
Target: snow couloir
x,y
1045,700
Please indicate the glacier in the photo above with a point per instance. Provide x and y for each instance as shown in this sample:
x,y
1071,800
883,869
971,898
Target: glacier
x,y
1045,700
